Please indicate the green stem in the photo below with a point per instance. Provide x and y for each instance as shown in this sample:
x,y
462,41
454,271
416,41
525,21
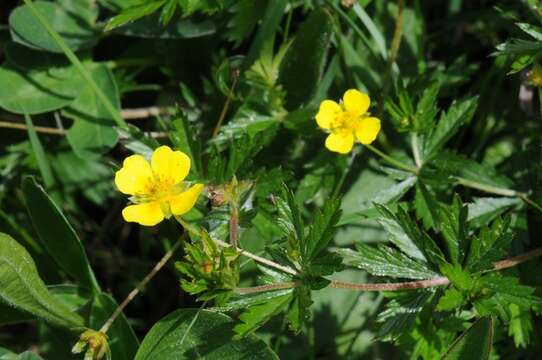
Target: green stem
x,y
115,114
340,183
487,188
392,161
530,202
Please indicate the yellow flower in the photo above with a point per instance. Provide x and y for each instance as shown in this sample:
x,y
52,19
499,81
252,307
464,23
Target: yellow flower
x,y
157,189
348,121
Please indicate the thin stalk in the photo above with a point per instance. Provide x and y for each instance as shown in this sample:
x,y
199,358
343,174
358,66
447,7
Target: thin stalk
x,y
526,199
77,63
340,183
139,287
226,103
392,161
268,287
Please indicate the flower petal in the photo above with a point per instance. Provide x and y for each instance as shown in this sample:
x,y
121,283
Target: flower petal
x,y
341,142
147,214
327,113
182,203
356,102
169,165
135,176
367,130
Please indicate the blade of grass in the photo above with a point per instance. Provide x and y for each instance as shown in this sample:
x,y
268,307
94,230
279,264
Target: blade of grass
x,y
115,114
37,148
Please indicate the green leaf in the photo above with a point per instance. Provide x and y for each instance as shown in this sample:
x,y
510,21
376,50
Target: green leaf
x,y
457,115
386,261
322,230
520,326
92,132
270,22
426,109
460,278
426,206
35,92
451,300
122,339
401,313
302,67
173,338
474,344
24,289
183,139
386,196
57,235
244,18
460,166
76,31
178,28
484,210
454,229
491,245
533,30
134,13
257,315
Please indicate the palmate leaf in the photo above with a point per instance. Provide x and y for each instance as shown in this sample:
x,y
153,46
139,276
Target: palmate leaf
x,y
386,261
454,229
491,245
322,230
408,237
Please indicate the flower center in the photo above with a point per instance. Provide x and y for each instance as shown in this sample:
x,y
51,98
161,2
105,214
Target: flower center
x,y
159,188
344,122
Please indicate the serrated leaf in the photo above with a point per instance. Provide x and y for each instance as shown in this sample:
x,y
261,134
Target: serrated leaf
x,y
322,230
491,245
484,210
426,109
426,206
451,300
133,13
457,115
454,228
474,344
23,288
257,315
520,326
386,261
401,312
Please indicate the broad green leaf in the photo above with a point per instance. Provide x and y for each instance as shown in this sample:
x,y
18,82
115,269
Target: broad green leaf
x,y
257,315
484,210
474,344
57,235
27,59
210,336
35,92
533,30
457,115
122,339
76,31
270,22
302,67
23,289
386,261
92,132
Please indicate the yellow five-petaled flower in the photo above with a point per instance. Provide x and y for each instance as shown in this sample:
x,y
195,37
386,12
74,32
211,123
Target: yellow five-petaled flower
x,y
347,121
157,189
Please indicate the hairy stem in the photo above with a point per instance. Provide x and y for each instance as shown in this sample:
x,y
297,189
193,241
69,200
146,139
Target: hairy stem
x,y
195,231
400,286
139,287
226,104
